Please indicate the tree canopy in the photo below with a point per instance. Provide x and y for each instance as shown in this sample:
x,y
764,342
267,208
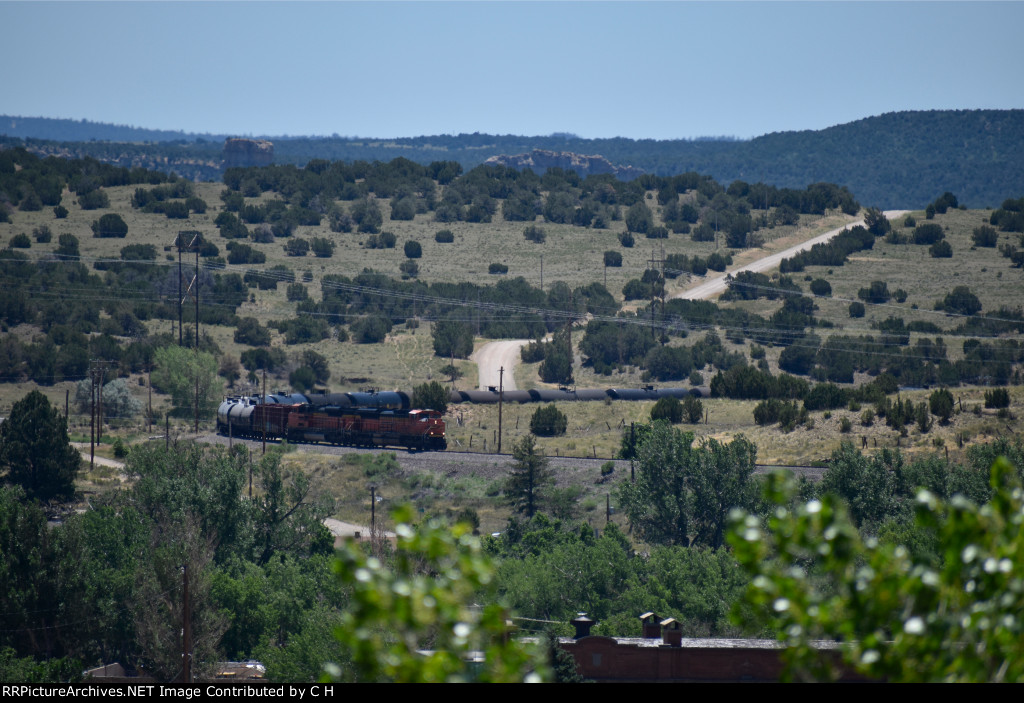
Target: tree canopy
x,y
683,494
899,615
35,452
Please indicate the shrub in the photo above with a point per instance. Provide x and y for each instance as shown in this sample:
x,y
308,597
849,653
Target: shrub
x,y
497,268
296,292
941,404
296,247
409,269
693,409
997,398
93,200
928,233
626,240
548,421
856,309
612,258
412,249
941,250
110,225
845,425
42,234
534,233
445,236
867,418
322,247
985,236
60,212
819,286
668,408
21,241
370,330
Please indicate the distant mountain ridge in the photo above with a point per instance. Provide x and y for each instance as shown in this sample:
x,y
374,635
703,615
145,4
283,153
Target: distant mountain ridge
x,y
540,160
899,159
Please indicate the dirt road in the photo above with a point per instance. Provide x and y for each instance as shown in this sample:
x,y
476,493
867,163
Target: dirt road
x,y
492,356
717,285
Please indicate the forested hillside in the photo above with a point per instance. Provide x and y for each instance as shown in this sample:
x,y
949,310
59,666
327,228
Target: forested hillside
x,y
900,159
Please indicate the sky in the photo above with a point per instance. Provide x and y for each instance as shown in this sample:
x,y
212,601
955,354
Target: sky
x,y
657,70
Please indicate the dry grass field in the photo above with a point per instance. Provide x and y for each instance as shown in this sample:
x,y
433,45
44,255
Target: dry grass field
x,y
573,255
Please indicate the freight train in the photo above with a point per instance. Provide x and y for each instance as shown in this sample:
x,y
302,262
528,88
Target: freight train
x,y
385,418
350,419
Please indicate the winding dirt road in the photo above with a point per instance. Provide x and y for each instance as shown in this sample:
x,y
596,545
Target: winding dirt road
x,y
493,355
718,284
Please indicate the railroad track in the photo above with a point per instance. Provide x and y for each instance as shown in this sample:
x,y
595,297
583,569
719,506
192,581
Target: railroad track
x,y
455,463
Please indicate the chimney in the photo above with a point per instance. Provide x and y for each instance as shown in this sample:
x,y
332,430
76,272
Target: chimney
x,y
671,633
651,626
582,624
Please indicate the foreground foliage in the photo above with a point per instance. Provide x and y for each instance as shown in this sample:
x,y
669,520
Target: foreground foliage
x,y
425,601
900,617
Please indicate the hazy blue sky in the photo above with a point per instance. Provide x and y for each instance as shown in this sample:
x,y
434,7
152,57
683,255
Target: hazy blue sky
x,y
598,69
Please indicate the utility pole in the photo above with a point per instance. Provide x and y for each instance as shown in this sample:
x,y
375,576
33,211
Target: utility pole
x,y
263,410
501,400
186,640
542,272
193,290
96,407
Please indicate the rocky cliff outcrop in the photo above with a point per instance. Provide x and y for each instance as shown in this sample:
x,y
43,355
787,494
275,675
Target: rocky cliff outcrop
x,y
248,152
541,160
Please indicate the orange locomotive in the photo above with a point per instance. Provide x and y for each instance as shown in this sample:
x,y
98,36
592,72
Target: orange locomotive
x,y
367,427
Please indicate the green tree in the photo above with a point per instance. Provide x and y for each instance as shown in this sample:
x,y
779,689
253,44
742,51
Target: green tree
x,y
668,408
876,222
296,247
323,247
693,409
548,421
425,600
899,617
529,477
110,225
289,514
960,301
35,452
412,249
432,396
639,218
683,494
941,404
182,372
452,339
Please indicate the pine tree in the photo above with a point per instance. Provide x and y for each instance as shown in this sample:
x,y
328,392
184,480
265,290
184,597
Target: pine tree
x,y
530,475
35,452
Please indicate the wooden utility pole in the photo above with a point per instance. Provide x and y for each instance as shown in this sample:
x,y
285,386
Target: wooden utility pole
x,y
501,400
186,640
373,512
263,410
